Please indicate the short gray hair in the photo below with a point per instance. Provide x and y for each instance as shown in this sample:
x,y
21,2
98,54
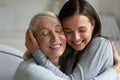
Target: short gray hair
x,y
49,15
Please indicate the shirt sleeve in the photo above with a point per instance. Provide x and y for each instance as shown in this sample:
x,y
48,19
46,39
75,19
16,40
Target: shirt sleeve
x,y
109,74
29,70
97,58
78,72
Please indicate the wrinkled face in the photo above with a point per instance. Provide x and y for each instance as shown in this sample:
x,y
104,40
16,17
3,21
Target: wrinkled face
x,y
78,31
51,38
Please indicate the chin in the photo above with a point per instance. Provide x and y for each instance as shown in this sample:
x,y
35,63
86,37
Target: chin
x,y
78,49
58,54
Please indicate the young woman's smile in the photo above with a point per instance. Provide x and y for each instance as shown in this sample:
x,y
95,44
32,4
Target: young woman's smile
x,y
78,31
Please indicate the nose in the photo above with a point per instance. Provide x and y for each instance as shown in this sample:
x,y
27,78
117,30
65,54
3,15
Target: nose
x,y
54,36
76,37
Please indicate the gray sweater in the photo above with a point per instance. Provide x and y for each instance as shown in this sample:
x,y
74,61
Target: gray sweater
x,y
29,70
94,64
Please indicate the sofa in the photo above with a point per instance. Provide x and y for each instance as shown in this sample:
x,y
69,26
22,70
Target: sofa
x,y
111,29
9,60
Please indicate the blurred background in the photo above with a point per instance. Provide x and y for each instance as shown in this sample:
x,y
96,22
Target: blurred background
x,y
15,16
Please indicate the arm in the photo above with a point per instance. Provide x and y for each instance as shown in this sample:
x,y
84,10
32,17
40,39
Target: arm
x,y
29,70
76,75
79,72
97,58
116,65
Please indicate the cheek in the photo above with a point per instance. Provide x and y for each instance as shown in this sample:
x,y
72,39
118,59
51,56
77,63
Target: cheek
x,y
87,36
43,42
64,38
88,33
68,37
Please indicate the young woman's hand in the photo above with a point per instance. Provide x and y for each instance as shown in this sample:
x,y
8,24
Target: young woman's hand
x,y
31,43
116,66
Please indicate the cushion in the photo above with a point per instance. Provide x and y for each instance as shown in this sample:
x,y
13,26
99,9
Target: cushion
x,y
9,60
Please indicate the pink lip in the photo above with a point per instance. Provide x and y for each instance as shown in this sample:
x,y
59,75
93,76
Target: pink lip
x,y
56,43
77,45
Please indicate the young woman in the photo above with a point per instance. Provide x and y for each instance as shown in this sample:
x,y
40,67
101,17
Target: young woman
x,y
88,55
49,34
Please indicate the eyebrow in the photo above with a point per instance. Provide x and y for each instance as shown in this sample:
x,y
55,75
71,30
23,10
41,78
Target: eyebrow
x,y
43,29
82,27
67,29
58,25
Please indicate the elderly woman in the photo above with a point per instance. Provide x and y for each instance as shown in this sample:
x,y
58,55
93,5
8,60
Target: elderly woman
x,y
50,37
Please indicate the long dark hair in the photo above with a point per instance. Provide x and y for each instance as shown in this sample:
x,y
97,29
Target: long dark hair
x,y
82,7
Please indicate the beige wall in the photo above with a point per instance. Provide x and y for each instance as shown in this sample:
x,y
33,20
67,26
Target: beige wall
x,y
111,7
24,10
95,4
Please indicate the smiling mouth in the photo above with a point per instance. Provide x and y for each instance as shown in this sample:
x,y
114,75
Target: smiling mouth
x,y
56,46
78,43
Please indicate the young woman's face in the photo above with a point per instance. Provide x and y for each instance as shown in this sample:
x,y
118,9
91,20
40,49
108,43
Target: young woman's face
x,y
78,31
51,38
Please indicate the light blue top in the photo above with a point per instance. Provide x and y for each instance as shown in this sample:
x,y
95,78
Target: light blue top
x,y
29,70
94,64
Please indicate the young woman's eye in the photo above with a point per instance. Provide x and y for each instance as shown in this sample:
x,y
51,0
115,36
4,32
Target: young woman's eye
x,y
82,30
68,32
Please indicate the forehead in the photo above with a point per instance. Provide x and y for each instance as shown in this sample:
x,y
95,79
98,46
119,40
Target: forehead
x,y
76,20
47,23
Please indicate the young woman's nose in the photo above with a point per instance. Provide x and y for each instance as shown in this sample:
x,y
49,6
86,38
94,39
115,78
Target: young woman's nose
x,y
76,36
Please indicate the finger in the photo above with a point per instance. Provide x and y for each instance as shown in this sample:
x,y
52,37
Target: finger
x,y
115,53
114,48
26,37
27,31
31,36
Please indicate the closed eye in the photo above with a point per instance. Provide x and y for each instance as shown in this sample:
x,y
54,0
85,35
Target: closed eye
x,y
68,31
44,33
